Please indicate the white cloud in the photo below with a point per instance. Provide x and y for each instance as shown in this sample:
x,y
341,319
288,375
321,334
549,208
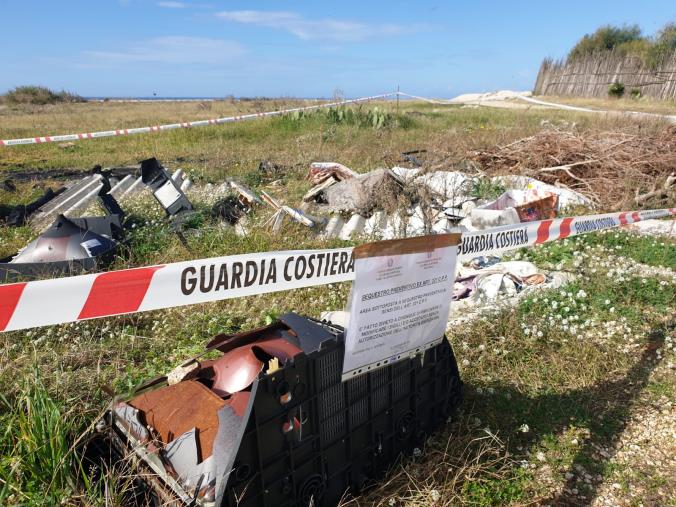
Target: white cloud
x,y
173,50
327,28
172,5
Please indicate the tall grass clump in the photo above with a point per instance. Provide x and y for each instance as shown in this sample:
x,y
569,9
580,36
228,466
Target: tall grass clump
x,y
38,464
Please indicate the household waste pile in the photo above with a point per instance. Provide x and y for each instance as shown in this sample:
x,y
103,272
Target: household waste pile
x,y
70,243
403,202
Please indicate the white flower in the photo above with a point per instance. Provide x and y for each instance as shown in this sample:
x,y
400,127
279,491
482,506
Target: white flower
x,y
607,301
465,362
435,495
540,456
524,428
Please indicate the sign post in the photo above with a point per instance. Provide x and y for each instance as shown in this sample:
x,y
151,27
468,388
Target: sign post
x,y
400,300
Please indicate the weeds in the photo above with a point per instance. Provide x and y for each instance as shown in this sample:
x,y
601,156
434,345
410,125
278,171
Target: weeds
x,y
38,463
536,408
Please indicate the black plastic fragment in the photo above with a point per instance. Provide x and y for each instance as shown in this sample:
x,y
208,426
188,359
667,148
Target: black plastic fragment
x,y
165,190
16,216
230,209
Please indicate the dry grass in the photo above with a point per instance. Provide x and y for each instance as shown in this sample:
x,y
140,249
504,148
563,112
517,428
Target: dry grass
x,y
644,104
612,167
482,457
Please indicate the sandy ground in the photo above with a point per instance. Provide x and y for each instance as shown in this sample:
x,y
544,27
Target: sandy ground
x,y
508,99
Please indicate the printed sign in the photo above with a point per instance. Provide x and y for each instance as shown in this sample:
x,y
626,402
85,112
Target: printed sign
x,y
400,300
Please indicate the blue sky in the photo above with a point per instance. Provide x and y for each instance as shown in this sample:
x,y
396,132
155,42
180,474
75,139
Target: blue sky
x,y
302,49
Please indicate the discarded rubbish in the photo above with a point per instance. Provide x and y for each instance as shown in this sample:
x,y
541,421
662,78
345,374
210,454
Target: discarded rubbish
x,y
164,188
69,246
230,209
16,216
69,243
487,218
402,202
269,422
320,171
269,170
409,156
282,210
361,194
566,197
76,197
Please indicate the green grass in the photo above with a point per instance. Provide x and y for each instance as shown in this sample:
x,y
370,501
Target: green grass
x,y
38,461
564,385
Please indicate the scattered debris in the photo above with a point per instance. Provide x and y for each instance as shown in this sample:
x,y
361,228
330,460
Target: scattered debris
x,y
404,202
667,191
363,193
76,198
282,210
69,246
320,171
16,216
270,171
228,430
230,209
409,156
164,188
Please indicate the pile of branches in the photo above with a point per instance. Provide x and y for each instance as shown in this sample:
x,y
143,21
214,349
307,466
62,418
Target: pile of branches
x,y
615,169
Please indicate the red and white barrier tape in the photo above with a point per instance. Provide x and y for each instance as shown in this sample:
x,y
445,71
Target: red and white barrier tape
x,y
189,124
525,234
62,300
639,114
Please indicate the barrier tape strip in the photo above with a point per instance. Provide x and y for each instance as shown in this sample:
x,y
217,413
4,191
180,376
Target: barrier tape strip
x,y
62,300
229,119
640,114
189,124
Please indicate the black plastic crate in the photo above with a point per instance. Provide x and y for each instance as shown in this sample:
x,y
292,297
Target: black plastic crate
x,y
331,437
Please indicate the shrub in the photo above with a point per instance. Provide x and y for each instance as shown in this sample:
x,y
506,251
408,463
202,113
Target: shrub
x,y
616,90
39,95
663,46
628,41
605,38
635,93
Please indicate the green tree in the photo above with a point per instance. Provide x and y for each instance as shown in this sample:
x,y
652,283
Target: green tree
x,y
606,38
664,44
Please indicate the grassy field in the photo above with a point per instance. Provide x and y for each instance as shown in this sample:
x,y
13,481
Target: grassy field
x,y
560,388
644,104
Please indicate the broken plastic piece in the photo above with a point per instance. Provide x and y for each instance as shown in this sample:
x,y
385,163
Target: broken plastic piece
x,y
69,246
165,190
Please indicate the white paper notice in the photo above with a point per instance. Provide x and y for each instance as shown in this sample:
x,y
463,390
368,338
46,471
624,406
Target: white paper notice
x,y
400,300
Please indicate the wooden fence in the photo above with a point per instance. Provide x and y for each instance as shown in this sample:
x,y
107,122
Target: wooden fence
x,y
591,76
